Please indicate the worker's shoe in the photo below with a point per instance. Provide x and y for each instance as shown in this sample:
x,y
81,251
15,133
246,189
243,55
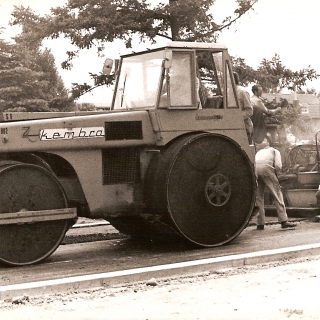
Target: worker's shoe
x,y
260,227
286,224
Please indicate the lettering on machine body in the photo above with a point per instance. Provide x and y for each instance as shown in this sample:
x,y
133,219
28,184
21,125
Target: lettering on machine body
x,y
70,134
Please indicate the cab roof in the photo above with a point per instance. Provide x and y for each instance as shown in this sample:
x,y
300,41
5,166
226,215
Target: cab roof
x,y
195,45
182,45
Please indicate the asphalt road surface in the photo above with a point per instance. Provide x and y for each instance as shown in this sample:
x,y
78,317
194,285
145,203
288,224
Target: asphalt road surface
x,y
281,290
107,256
274,290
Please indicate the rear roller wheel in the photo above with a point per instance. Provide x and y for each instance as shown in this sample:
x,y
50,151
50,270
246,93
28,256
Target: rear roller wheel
x,y
26,187
205,185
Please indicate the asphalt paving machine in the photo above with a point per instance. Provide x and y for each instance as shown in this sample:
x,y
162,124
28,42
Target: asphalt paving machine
x,y
300,180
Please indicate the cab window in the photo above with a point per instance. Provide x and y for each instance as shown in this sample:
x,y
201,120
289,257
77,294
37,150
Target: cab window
x,y
177,86
210,75
232,103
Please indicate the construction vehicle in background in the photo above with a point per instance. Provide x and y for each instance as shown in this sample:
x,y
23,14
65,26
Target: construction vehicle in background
x,y
300,179
170,159
300,176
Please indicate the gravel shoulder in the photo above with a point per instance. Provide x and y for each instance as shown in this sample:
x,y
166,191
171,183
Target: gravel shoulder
x,y
280,290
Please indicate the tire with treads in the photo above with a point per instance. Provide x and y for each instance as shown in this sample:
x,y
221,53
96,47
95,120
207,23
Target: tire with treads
x,y
26,187
204,186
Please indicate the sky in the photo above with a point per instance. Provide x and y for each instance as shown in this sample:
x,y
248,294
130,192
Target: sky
x,y
286,27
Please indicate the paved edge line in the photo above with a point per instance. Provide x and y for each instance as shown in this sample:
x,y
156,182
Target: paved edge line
x,y
85,282
89,225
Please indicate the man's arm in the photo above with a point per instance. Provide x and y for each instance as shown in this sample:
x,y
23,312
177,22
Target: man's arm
x,y
277,160
259,104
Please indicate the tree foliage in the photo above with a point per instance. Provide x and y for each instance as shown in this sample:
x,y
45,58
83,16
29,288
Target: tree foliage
x,y
280,77
247,74
272,75
94,23
99,80
89,23
29,80
86,106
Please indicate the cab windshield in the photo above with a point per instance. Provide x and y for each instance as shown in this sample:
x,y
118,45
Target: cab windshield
x,y
139,80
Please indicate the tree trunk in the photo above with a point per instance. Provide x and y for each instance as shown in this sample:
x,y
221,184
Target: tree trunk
x,y
174,21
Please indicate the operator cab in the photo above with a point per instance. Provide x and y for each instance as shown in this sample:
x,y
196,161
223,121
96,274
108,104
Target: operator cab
x,y
181,75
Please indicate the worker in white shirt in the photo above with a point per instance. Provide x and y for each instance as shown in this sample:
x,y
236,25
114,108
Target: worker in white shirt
x,y
267,165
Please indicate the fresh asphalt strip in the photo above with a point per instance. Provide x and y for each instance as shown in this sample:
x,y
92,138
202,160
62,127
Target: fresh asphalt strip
x,y
79,283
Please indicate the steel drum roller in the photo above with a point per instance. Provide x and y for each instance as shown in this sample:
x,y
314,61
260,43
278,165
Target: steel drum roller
x,y
204,185
26,187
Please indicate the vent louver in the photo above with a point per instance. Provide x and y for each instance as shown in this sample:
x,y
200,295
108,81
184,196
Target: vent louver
x,y
121,165
123,130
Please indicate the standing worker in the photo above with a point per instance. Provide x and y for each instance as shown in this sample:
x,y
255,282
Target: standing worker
x,y
246,107
268,164
259,113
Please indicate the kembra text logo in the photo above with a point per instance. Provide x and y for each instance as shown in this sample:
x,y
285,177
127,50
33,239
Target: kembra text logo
x,y
69,134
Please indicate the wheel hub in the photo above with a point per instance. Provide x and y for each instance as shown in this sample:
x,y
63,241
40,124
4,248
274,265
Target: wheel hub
x,y
218,190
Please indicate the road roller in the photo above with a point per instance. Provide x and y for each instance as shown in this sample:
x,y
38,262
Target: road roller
x,y
171,159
